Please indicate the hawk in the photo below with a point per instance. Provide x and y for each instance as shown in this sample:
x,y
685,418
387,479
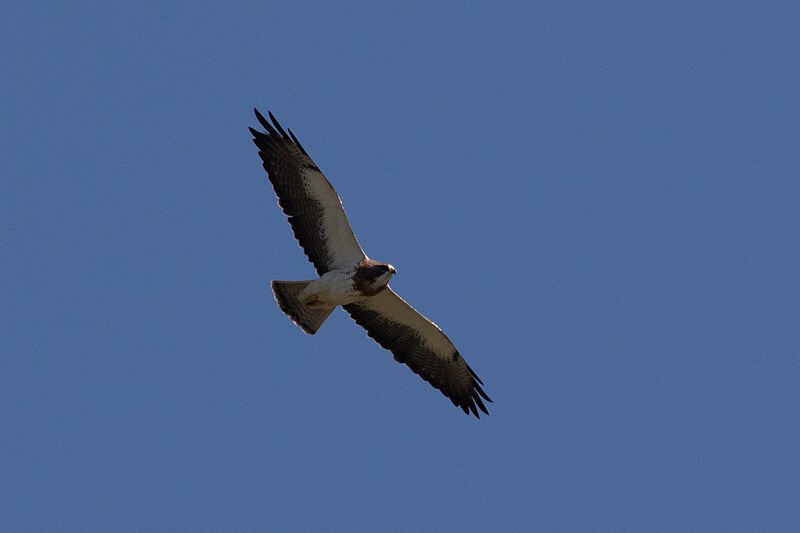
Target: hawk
x,y
348,278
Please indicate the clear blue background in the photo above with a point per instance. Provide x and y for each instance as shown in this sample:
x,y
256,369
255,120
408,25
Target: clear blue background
x,y
599,203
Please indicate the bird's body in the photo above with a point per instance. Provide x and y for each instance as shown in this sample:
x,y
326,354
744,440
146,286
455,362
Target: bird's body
x,y
348,278
331,289
347,285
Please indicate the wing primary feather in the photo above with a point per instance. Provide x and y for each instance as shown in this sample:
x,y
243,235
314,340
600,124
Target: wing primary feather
x,y
480,403
297,142
485,396
474,409
262,120
256,134
277,124
474,375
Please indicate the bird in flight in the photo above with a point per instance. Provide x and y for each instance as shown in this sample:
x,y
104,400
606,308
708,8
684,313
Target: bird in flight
x,y
348,278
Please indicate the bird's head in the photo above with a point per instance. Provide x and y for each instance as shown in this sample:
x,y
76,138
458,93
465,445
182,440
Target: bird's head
x,y
386,272
371,276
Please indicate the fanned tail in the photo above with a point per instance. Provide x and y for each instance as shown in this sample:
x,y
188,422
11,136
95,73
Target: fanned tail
x,y
309,319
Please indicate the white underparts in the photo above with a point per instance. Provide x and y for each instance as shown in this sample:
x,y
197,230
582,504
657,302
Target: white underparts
x,y
335,288
332,289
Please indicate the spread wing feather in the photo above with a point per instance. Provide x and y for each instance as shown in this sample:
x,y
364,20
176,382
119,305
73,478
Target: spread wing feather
x,y
420,344
309,200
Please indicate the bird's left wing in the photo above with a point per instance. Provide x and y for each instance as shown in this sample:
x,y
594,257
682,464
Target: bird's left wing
x,y
420,344
309,200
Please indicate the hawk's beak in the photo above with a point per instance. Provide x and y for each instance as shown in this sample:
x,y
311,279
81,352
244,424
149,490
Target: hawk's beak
x,y
392,270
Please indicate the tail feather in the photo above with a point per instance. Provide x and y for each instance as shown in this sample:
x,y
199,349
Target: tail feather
x,y
309,319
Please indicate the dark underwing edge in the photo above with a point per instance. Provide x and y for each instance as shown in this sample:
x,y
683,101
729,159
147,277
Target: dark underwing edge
x,y
276,136
470,403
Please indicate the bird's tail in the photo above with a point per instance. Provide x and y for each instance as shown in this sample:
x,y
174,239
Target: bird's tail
x,y
309,319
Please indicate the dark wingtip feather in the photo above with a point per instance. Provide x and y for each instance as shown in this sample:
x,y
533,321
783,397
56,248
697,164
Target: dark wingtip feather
x,y
474,410
480,391
297,142
480,404
261,118
474,375
264,122
274,128
277,124
256,134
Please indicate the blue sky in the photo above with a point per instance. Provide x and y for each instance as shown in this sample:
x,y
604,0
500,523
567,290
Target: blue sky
x,y
599,203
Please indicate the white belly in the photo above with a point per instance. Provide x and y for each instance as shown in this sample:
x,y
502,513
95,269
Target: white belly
x,y
332,289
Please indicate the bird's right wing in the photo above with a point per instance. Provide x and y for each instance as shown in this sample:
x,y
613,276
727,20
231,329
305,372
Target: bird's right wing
x,y
309,200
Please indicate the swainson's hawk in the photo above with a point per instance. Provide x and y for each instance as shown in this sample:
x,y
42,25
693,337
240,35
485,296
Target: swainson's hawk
x,y
349,278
